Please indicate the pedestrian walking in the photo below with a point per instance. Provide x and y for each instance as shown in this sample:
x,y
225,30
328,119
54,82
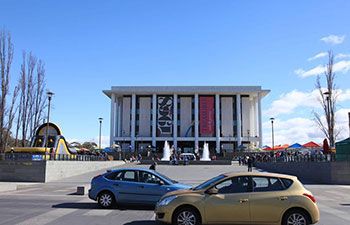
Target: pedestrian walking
x,y
250,164
153,166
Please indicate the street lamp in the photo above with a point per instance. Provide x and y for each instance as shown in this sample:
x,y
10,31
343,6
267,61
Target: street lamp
x,y
273,138
49,96
248,132
100,119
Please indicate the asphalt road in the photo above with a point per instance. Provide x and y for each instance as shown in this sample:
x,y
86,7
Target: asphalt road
x,y
55,202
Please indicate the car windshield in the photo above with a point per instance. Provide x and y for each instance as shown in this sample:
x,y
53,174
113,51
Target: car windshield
x,y
209,182
167,178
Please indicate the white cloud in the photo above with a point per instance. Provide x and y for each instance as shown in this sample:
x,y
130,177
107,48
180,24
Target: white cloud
x,y
341,66
303,130
287,103
104,140
319,55
341,55
333,39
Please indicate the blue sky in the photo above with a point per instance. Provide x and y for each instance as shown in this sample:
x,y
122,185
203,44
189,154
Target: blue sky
x,y
89,46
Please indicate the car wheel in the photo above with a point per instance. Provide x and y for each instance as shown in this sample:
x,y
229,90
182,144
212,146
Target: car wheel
x,y
295,217
186,216
105,199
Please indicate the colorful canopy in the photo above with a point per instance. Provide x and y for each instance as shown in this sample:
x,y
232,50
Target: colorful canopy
x,y
296,145
311,144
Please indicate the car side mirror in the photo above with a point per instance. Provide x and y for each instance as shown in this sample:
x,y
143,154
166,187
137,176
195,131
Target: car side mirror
x,y
212,191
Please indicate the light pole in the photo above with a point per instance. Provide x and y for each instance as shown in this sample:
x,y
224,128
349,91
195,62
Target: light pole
x,y
273,138
330,134
248,132
99,142
349,123
49,96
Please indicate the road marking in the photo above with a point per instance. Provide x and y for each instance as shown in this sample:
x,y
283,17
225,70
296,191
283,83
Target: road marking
x,y
47,217
98,212
334,212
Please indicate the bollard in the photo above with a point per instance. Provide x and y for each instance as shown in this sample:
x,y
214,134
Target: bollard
x,y
80,190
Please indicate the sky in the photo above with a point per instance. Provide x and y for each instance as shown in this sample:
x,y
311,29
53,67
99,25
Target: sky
x,y
89,46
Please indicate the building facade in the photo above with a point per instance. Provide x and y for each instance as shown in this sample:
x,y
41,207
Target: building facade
x,y
226,117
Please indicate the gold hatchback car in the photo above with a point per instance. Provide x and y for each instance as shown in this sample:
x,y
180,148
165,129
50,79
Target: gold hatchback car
x,y
241,198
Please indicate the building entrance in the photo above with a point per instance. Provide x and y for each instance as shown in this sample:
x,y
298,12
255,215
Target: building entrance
x,y
185,146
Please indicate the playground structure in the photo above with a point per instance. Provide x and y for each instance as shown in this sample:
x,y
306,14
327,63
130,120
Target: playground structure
x,y
48,138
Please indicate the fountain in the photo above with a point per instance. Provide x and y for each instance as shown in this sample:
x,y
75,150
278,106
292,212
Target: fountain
x,y
205,155
166,152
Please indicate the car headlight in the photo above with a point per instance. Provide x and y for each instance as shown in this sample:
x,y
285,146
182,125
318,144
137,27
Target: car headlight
x,y
167,200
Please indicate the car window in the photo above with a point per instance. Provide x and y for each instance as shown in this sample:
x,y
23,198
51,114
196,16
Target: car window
x,y
261,184
146,177
114,176
209,182
233,185
128,176
287,182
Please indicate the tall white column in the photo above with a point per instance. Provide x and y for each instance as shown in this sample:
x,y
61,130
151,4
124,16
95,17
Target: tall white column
x,y
239,124
111,135
154,119
217,122
116,126
260,121
175,121
255,117
196,121
133,122
120,115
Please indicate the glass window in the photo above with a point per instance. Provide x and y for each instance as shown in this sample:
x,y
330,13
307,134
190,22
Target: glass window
x,y
209,182
233,185
114,176
129,176
261,184
287,182
146,177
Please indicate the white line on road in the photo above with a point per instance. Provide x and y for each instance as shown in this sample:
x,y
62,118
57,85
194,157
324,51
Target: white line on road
x,y
47,217
98,212
334,212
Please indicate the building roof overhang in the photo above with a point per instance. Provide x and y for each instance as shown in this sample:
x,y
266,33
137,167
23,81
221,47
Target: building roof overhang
x,y
223,90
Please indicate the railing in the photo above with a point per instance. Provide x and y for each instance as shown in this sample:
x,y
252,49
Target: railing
x,y
57,157
303,158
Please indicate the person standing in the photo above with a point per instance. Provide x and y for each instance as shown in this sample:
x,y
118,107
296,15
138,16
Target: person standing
x,y
250,164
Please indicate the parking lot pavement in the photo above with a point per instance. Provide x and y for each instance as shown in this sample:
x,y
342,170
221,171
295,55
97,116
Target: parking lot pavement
x,y
55,203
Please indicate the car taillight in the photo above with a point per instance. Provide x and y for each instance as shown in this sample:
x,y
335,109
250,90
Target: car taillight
x,y
97,176
310,197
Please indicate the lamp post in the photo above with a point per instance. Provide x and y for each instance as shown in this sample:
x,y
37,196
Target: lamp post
x,y
349,123
49,96
248,132
273,138
100,120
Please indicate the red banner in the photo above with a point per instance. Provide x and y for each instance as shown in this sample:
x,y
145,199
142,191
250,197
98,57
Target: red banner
x,y
206,113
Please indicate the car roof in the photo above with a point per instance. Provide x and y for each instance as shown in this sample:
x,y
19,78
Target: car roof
x,y
266,174
138,169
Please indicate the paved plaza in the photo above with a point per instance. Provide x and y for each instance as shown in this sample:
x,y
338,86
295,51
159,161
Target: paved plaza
x,y
55,202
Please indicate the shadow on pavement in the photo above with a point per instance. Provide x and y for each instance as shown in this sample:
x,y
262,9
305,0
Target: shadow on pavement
x,y
142,222
93,205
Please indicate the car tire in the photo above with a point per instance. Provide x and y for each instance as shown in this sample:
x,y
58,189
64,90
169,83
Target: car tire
x,y
186,216
106,200
295,216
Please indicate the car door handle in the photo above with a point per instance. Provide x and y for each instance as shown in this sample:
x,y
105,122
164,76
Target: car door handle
x,y
141,186
282,198
242,200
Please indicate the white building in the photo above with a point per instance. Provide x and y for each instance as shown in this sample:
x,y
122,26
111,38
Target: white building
x,y
186,116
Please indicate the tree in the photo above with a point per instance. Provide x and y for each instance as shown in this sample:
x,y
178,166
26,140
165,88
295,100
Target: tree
x,y
89,145
328,100
32,100
6,112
